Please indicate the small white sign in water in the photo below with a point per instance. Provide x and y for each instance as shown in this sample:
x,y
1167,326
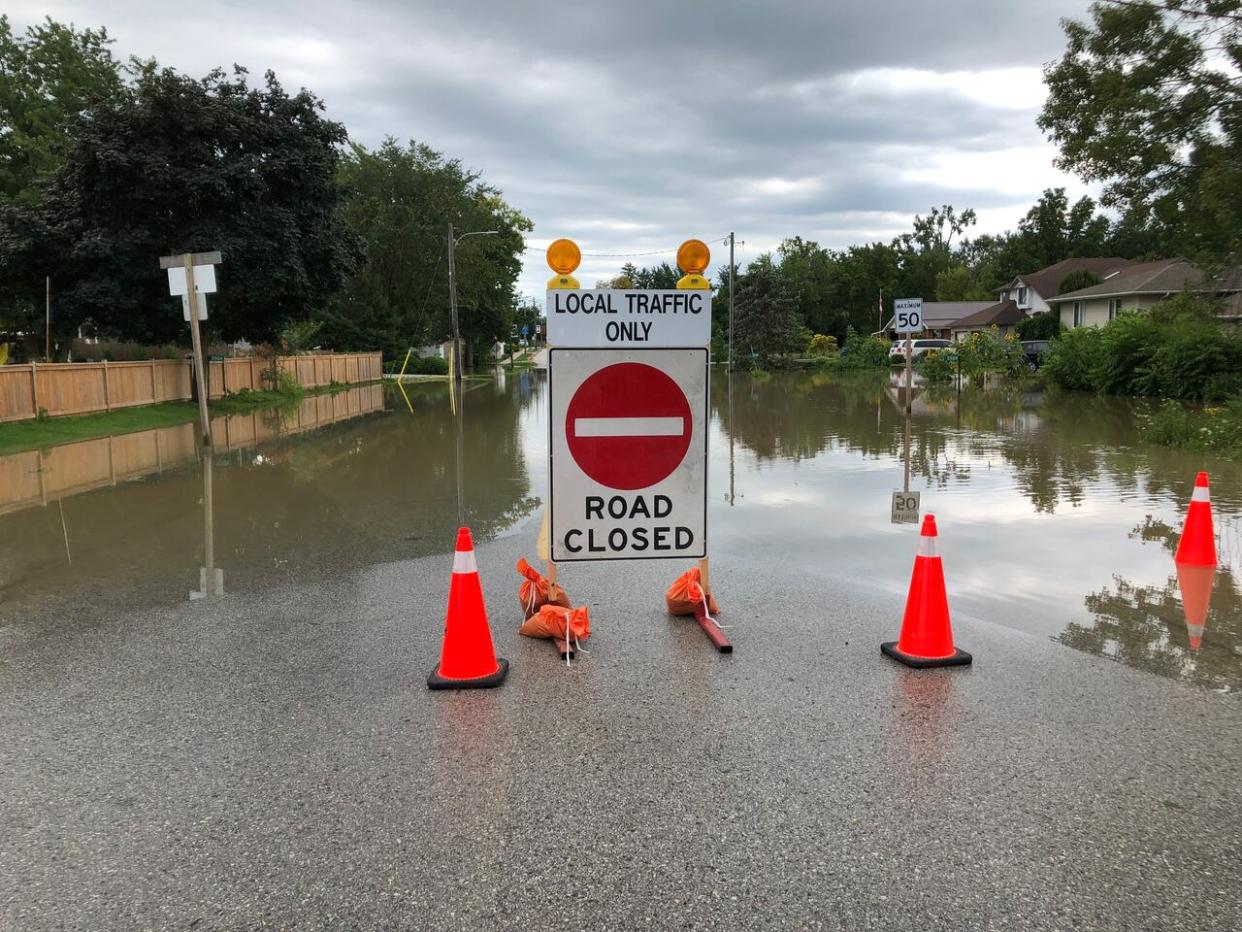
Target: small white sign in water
x,y
905,508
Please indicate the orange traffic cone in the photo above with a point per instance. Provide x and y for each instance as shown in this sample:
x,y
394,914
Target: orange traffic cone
x,y
1195,585
1198,544
467,660
926,638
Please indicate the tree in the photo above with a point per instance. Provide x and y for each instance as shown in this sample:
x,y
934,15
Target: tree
x,y
928,250
1079,278
49,78
662,276
188,165
957,283
1147,99
1052,230
766,309
399,201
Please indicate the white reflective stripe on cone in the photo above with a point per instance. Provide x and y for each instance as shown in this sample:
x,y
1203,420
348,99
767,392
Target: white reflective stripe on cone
x,y
927,546
463,562
1200,494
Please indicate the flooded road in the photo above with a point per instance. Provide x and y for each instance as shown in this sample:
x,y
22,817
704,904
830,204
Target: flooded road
x,y
1054,518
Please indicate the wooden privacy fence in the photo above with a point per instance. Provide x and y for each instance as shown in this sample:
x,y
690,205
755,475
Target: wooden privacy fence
x,y
86,387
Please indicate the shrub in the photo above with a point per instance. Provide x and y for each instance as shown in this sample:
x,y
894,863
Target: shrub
x,y
426,365
1043,326
937,365
1216,430
821,345
1071,359
864,352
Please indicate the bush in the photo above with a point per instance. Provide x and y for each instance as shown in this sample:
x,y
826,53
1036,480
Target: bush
x,y
1043,326
123,352
863,352
937,365
426,365
821,345
1215,430
298,336
1071,359
1175,350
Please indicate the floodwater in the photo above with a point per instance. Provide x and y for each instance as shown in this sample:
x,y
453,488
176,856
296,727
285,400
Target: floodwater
x,y
1054,517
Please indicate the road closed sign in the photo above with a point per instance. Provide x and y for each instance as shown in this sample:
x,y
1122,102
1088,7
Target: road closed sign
x,y
628,454
640,319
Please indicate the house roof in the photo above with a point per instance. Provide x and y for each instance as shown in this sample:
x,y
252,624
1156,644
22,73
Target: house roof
x,y
1003,315
940,314
1048,280
1163,276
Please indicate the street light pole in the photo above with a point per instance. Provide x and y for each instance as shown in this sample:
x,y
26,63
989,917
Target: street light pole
x,y
452,276
730,366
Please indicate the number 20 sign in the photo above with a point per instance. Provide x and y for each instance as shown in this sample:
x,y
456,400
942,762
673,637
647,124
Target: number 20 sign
x,y
908,315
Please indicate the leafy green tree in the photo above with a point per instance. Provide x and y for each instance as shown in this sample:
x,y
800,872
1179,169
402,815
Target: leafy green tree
x,y
1077,280
957,283
1045,325
927,250
49,77
766,309
187,165
809,270
399,201
1147,99
657,277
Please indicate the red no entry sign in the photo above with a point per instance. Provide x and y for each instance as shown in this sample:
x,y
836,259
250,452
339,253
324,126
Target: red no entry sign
x,y
628,426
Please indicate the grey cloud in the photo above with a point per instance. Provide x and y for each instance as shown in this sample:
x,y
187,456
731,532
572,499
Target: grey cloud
x,y
633,125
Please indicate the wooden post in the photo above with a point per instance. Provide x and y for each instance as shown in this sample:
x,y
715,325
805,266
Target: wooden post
x,y
196,339
155,396
34,389
704,578
107,397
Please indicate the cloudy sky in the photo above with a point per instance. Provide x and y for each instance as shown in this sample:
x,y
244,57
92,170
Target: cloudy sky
x,y
630,125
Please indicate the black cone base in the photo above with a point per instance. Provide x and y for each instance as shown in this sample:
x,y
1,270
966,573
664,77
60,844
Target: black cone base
x,y
959,658
436,681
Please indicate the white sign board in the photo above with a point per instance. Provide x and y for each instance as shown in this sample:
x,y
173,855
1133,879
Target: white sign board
x,y
204,280
628,445
202,307
905,508
607,317
908,315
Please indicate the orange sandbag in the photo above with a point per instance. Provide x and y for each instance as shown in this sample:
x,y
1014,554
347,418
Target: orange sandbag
x,y
555,621
686,592
533,594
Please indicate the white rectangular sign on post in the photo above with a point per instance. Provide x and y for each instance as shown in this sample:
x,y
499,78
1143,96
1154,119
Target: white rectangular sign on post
x,y
905,508
202,307
628,443
908,315
606,317
204,280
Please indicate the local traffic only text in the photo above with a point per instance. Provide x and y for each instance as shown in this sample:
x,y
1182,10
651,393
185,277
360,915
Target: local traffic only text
x,y
636,310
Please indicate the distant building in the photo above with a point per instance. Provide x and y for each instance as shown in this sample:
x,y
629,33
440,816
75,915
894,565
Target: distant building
x,y
1141,285
1030,293
1004,316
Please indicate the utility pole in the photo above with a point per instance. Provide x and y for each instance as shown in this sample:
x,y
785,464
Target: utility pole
x,y
47,345
452,277
730,367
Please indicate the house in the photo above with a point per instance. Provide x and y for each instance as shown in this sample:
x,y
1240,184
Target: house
x,y
1031,292
1139,286
939,316
1004,316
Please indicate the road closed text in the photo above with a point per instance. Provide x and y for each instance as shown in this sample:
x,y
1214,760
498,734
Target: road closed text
x,y
599,533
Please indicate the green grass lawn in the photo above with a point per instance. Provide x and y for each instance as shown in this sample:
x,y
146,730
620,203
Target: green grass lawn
x,y
31,435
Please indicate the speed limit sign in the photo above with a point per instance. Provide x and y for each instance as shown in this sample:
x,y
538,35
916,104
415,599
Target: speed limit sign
x,y
908,315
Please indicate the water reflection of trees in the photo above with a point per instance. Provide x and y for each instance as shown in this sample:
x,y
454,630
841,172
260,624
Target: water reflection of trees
x,y
1057,445
1145,626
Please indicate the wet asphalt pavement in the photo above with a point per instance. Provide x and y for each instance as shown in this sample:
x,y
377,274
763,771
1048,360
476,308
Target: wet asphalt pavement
x,y
278,762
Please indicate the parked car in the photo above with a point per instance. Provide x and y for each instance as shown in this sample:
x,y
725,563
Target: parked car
x,y
917,349
1034,350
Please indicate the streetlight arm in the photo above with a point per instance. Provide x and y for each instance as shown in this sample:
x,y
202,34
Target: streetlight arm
x,y
476,233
